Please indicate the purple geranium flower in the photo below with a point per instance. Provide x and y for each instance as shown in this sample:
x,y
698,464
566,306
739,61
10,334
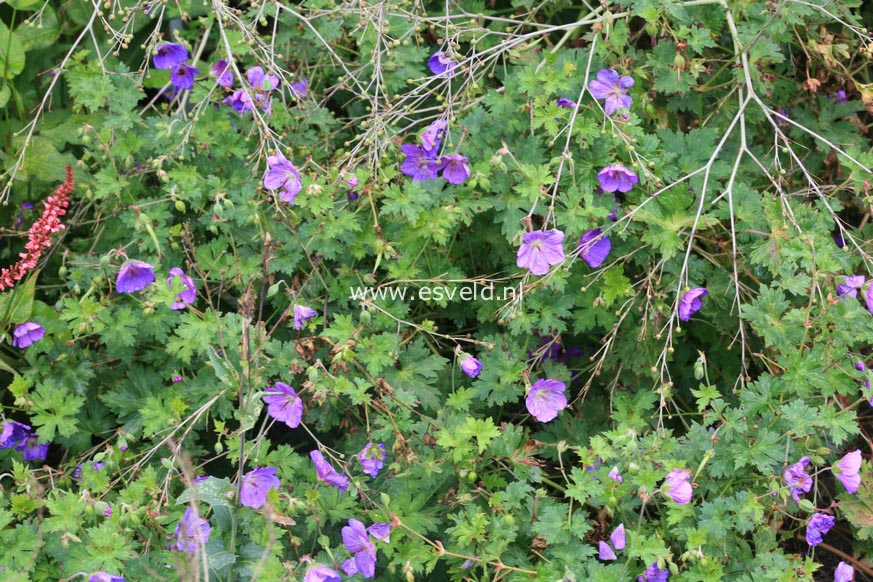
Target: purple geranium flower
x,y
545,399
594,247
327,473
618,540
260,81
691,302
564,102
456,170
26,334
104,577
372,458
654,574
255,485
284,405
33,450
678,487
300,88
617,537
796,478
223,73
847,471
169,55
850,285
357,541
192,532
240,101
441,65
319,573
868,296
381,531
844,573
471,366
540,250
281,173
13,434
818,525
418,165
612,90
182,76
433,137
134,276
262,85
604,552
302,314
617,178
615,475
188,295
840,97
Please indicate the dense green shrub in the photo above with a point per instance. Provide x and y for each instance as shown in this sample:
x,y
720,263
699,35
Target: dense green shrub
x,y
372,238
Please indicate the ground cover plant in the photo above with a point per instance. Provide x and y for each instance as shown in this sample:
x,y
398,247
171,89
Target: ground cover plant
x,y
400,290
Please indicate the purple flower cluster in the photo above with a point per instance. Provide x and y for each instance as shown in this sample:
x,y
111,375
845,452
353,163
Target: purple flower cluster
x,y
174,57
850,286
18,436
423,162
356,539
258,93
618,540
104,577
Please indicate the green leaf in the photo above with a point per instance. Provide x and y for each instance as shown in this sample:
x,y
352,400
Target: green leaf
x,y
43,161
24,4
11,53
43,35
212,491
16,305
54,411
